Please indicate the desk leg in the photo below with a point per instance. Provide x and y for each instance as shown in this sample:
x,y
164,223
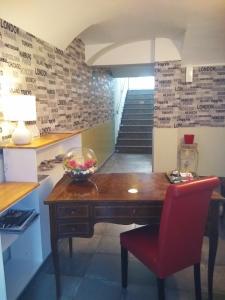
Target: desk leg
x,y
213,235
55,255
71,246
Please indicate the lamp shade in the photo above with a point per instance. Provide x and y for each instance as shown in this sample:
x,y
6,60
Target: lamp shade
x,y
19,108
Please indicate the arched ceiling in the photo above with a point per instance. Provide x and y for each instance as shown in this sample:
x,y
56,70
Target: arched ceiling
x,y
198,24
56,21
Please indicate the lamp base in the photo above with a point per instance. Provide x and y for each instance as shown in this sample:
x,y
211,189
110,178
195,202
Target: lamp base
x,y
21,135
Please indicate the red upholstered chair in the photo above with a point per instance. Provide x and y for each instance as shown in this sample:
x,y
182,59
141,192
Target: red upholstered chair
x,y
177,243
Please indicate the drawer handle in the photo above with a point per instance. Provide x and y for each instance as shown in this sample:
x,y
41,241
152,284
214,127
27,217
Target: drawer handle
x,y
74,228
73,211
134,211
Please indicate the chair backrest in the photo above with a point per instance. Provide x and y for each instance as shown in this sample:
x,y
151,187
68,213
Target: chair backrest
x,y
183,223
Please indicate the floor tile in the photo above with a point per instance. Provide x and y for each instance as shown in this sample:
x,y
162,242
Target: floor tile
x,y
217,296
105,267
205,250
122,163
100,228
75,266
183,280
218,278
95,289
115,229
220,257
139,274
179,295
109,244
81,245
134,292
42,287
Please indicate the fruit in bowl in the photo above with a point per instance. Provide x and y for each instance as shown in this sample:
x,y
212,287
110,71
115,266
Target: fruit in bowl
x,y
80,163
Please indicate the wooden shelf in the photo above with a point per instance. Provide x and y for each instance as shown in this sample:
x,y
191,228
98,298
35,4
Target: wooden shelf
x,y
25,188
55,174
43,141
8,238
11,192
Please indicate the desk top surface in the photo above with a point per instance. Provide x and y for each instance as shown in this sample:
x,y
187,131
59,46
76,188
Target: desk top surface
x,y
114,187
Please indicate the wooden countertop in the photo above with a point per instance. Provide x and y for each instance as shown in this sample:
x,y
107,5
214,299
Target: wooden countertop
x,y
11,192
44,140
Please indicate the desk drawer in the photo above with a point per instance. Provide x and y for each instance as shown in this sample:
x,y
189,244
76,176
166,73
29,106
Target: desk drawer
x,y
127,211
146,211
68,211
65,229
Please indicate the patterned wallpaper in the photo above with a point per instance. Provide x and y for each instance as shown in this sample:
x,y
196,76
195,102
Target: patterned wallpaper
x,y
72,95
69,93
181,104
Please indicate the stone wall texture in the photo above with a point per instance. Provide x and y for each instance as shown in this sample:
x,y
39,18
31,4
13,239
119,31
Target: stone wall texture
x,y
70,95
181,104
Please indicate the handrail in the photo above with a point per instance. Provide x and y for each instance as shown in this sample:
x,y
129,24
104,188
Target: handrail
x,y
121,97
119,109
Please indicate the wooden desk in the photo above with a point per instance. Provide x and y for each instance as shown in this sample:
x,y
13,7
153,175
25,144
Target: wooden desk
x,y
75,208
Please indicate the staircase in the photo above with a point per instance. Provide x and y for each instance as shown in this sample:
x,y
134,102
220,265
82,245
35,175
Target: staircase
x,y
135,134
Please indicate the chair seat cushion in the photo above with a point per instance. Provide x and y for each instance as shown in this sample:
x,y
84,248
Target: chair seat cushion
x,y
138,240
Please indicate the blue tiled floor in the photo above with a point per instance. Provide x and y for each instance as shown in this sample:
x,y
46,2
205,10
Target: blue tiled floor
x,y
93,273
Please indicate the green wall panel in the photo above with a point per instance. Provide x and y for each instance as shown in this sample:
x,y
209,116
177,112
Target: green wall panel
x,y
101,140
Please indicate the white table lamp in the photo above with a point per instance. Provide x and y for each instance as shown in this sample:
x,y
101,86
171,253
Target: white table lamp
x,y
20,108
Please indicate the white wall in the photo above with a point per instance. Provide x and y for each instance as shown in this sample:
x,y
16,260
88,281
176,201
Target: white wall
x,y
131,53
141,52
92,51
164,149
211,147
165,50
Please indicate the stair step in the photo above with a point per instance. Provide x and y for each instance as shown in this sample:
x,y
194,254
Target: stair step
x,y
133,135
134,142
134,149
140,116
136,139
136,121
137,110
136,128
140,97
139,101
139,106
141,92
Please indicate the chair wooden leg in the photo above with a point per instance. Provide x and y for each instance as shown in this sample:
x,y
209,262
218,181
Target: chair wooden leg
x,y
161,288
197,277
124,266
71,246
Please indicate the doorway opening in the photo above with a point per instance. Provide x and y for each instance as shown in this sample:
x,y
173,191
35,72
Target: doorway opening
x,y
134,118
141,83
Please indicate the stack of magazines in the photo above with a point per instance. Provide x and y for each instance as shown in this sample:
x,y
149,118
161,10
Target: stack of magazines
x,y
176,176
17,220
